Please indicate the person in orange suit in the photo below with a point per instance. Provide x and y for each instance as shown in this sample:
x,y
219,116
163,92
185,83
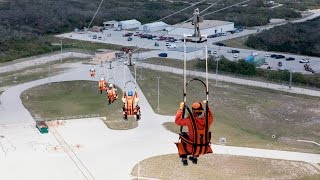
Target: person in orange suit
x,y
130,105
112,94
102,85
200,119
92,73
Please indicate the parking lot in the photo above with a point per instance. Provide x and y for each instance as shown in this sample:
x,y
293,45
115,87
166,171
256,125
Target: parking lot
x,y
194,50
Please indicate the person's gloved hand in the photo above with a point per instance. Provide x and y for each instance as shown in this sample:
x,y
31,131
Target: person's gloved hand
x,y
181,105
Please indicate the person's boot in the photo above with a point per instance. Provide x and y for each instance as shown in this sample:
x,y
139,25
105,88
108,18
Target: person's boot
x,y
193,159
184,161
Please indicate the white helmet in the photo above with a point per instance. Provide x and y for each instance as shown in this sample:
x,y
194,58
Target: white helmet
x,y
111,85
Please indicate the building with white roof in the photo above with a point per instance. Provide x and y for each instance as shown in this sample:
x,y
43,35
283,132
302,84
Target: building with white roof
x,y
152,27
208,27
128,24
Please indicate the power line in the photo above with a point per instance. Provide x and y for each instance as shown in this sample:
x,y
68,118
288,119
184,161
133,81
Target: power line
x,y
210,6
226,8
95,13
180,11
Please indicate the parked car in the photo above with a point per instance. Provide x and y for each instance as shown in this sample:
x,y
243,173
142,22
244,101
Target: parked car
x,y
279,64
236,55
235,51
290,59
129,39
99,38
163,55
94,37
220,44
255,53
273,55
280,56
306,60
42,127
215,52
267,55
127,34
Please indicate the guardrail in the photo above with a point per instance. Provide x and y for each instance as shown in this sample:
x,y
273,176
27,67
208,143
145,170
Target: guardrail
x,y
309,142
37,118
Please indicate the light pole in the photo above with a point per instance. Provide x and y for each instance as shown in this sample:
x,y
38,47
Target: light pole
x,y
158,92
217,70
61,50
49,73
290,80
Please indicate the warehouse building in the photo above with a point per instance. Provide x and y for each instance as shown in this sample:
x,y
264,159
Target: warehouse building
x,y
208,27
153,27
128,24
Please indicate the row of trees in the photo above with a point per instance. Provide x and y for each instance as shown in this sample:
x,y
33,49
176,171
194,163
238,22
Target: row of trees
x,y
27,22
299,38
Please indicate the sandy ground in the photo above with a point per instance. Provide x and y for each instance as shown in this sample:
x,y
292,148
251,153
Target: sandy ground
x,y
214,166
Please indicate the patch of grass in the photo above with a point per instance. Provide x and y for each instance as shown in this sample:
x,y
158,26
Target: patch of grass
x,y
48,44
75,98
91,47
33,73
246,116
239,42
312,177
222,167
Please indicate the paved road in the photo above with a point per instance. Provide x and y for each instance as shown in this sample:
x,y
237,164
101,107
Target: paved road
x,y
147,140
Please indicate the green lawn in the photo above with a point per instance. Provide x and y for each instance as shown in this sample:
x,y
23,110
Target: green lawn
x,y
75,98
246,116
237,42
33,73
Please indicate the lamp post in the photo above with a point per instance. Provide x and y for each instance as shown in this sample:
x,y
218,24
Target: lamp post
x,y
49,73
290,79
217,70
61,50
158,92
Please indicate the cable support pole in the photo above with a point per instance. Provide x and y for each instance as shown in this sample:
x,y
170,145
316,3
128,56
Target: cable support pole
x,y
180,24
135,74
184,68
207,68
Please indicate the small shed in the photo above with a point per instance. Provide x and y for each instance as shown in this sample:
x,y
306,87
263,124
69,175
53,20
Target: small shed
x,y
109,24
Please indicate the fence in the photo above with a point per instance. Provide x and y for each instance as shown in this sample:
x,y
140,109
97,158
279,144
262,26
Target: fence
x,y
277,85
38,118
